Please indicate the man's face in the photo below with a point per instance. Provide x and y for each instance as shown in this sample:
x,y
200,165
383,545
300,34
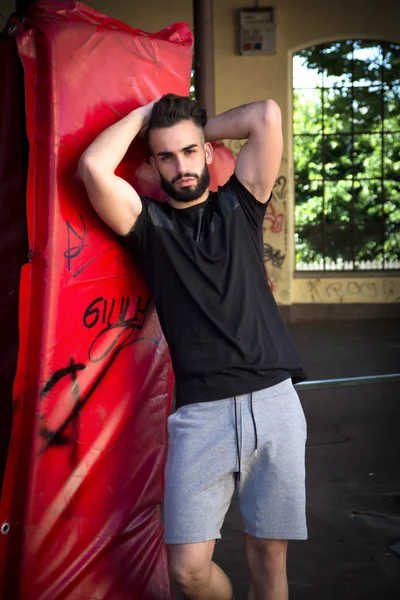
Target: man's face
x,y
181,159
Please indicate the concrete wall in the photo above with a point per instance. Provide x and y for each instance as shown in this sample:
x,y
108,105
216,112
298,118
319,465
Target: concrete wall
x,y
241,79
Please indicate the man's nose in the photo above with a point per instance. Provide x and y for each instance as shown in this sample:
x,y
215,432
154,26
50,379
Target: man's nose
x,y
181,165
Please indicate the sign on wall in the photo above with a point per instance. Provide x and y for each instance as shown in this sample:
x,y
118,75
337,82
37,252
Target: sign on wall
x,y
257,31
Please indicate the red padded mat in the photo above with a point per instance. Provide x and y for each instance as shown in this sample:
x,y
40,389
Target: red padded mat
x,y
84,478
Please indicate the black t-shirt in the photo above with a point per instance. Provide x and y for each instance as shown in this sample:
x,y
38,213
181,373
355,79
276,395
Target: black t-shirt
x,y
204,268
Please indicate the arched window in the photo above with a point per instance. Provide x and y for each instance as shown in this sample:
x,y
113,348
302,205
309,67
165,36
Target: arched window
x,y
346,126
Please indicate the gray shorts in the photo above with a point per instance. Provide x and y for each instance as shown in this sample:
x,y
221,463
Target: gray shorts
x,y
208,440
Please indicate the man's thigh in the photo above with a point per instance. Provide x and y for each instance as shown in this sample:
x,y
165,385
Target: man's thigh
x,y
199,474
272,484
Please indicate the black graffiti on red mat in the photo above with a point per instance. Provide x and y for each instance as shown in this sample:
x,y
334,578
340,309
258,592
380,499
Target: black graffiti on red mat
x,y
71,369
101,310
74,238
95,313
58,437
76,243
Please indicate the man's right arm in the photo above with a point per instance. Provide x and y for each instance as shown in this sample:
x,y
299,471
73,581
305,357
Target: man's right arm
x,y
113,198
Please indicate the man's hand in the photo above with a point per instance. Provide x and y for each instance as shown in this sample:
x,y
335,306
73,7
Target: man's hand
x,y
145,111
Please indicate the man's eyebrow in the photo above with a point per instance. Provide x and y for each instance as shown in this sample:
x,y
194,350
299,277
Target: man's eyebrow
x,y
183,150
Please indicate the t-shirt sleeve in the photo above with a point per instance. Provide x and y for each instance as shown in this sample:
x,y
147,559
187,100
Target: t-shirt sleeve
x,y
135,241
254,210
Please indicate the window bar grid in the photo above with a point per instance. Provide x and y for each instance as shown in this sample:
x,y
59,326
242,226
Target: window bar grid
x,y
354,181
323,150
353,206
383,226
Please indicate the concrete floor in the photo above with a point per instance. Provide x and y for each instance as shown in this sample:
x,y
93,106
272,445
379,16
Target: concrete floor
x,y
353,467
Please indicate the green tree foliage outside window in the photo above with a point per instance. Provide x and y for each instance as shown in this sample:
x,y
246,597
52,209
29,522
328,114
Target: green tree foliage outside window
x,y
346,125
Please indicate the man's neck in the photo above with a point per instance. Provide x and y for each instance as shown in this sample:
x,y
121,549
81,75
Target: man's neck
x,y
178,204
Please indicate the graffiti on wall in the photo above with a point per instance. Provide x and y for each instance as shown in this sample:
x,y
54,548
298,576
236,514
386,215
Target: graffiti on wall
x,y
324,290
275,216
275,222
275,257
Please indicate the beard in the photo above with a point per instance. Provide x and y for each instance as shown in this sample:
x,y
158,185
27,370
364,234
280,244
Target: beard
x,y
190,193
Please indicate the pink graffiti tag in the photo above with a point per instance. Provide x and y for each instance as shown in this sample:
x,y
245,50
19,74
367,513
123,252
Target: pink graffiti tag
x,y
273,220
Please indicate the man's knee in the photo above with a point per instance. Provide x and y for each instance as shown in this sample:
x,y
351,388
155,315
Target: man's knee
x,y
189,566
188,575
267,557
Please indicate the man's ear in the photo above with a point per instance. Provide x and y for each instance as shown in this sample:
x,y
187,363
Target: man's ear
x,y
209,152
154,166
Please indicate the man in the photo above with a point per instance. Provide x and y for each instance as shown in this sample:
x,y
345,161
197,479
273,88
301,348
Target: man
x,y
238,418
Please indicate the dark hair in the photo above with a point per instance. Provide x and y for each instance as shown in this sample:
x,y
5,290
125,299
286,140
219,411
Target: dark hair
x,y
172,109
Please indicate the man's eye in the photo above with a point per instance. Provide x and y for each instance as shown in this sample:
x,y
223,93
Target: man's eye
x,y
190,151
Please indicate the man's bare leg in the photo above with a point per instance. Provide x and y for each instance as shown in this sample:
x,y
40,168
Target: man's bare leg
x,y
195,574
267,564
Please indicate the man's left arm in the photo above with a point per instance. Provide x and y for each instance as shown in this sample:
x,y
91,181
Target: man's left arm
x,y
258,162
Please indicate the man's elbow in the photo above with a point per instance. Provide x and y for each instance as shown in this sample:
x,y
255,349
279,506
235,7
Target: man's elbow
x,y
87,167
271,112
85,164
